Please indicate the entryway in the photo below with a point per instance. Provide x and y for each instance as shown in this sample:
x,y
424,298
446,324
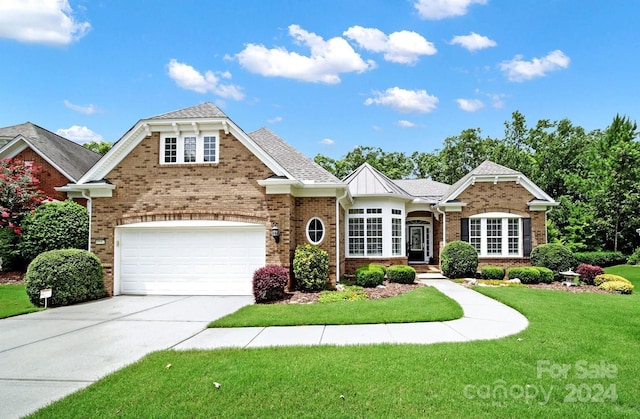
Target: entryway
x,y
419,241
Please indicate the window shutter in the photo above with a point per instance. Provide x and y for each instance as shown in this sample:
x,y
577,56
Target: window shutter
x,y
526,237
464,229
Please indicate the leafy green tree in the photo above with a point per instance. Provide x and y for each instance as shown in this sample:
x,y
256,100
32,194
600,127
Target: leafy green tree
x,y
100,147
395,165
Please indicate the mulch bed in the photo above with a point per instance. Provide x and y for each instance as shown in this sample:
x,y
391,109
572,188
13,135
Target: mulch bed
x,y
391,289
11,277
576,290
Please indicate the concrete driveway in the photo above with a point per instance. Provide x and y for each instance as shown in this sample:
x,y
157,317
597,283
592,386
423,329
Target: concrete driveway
x,y
47,355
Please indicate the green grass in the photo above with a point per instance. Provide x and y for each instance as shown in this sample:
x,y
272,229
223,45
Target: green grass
x,y
14,301
421,304
441,380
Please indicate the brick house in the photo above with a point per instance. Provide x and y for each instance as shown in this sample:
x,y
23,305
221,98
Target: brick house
x,y
60,160
186,202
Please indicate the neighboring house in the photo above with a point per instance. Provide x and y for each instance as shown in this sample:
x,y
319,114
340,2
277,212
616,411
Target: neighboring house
x,y
186,202
60,160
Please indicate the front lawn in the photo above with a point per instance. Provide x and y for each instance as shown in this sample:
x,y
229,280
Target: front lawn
x,y
423,304
578,358
14,301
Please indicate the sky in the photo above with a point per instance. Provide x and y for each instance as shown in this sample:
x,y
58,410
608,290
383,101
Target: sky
x,y
325,75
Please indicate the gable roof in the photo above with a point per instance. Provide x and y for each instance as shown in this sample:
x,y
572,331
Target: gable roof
x,y
297,164
203,110
69,158
366,180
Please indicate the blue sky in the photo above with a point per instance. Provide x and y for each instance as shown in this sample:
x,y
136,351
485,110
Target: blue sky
x,y
324,75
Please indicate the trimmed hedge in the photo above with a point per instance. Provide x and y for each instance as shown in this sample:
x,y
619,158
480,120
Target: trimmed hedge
x,y
588,273
311,268
74,276
546,274
601,279
634,259
526,274
459,260
602,259
369,276
553,256
401,274
269,283
617,287
493,272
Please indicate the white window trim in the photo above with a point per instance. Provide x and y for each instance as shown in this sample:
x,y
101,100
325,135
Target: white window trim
x,y
386,215
180,148
504,217
324,230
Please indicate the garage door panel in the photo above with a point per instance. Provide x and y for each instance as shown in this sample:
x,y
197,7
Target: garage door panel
x,y
175,261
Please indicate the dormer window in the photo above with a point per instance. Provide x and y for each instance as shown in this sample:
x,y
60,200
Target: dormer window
x,y
189,148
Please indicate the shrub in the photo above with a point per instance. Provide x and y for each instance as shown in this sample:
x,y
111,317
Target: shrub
x,y
526,274
11,260
617,287
553,256
351,293
269,283
74,275
369,276
401,274
546,274
601,279
602,259
493,272
588,273
459,260
634,259
310,268
378,265
54,225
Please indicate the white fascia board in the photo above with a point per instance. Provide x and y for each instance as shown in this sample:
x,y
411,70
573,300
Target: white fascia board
x,y
93,190
451,206
145,127
387,195
520,179
542,206
19,144
299,189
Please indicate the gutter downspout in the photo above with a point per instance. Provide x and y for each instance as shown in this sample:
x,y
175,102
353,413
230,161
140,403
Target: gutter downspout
x,y
88,198
444,228
346,191
546,233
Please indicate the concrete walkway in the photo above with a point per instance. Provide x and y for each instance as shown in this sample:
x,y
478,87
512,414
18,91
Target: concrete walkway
x,y
484,318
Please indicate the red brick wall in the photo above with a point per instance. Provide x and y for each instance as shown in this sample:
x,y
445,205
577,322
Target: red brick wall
x,y
48,175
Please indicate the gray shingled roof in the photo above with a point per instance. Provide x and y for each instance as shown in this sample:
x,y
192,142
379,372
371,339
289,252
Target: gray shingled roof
x,y
423,188
203,110
486,168
294,162
72,158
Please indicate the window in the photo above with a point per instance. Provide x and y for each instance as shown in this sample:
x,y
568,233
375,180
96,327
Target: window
x,y
374,236
474,234
356,236
495,235
315,230
365,230
514,236
396,236
189,149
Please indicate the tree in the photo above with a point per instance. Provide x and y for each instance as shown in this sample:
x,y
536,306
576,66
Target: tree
x,y
19,192
395,165
100,147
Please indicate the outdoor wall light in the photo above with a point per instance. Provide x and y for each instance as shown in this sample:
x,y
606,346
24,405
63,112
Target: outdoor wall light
x,y
275,232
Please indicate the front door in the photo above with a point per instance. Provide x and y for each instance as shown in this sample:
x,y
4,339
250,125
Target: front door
x,y
416,243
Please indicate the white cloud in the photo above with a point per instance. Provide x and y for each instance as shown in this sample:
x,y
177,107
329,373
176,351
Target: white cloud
x,y
327,61
497,100
404,47
473,41
403,123
519,70
441,9
470,105
78,134
327,141
376,128
275,120
40,22
87,110
189,78
404,100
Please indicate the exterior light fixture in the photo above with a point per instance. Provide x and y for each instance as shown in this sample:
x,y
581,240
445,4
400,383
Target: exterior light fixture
x,y
275,232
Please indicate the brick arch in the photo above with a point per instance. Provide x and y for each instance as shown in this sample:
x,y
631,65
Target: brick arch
x,y
200,216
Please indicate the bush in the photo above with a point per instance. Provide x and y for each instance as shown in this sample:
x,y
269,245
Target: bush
x,y
11,260
617,287
588,273
493,272
369,276
74,275
602,259
459,260
351,293
526,274
377,265
553,256
310,268
601,279
634,259
546,274
54,225
401,274
269,283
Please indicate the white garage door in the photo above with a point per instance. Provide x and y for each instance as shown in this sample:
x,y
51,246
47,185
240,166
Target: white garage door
x,y
188,258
